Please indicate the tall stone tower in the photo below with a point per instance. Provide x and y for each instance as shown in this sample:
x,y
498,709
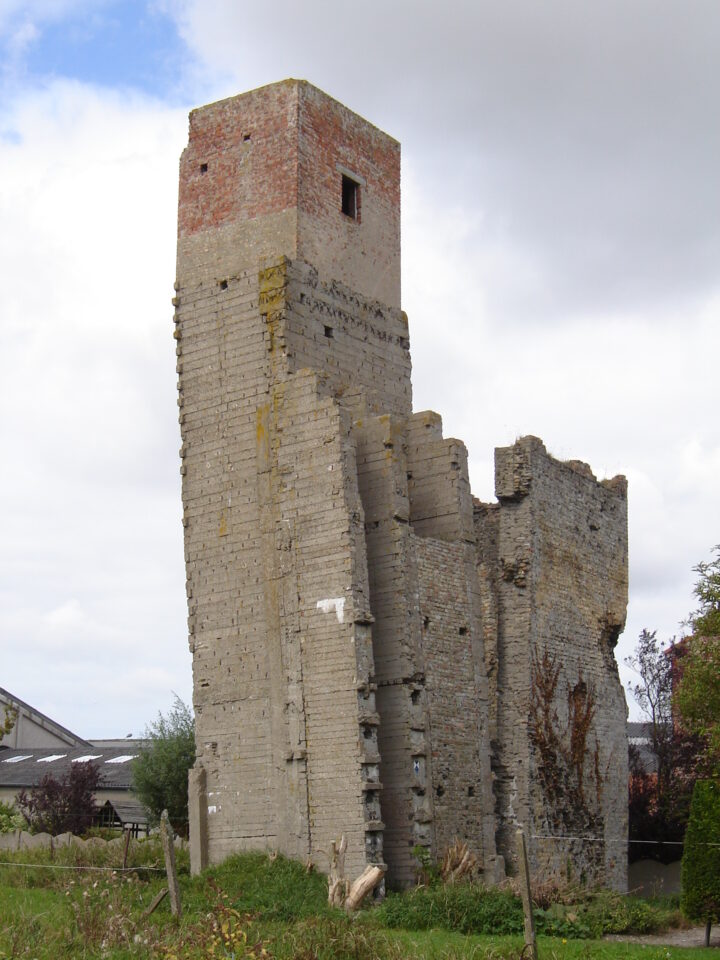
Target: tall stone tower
x,y
367,639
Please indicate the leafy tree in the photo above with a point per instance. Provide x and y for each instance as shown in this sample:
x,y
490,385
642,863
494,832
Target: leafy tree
x,y
700,899
10,819
160,772
697,695
653,692
705,622
66,805
8,721
659,799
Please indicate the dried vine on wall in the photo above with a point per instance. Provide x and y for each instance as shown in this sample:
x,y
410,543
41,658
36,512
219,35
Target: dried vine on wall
x,y
572,789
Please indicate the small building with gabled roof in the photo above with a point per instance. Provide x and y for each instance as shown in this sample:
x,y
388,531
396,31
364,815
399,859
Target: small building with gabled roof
x,y
37,745
32,729
115,802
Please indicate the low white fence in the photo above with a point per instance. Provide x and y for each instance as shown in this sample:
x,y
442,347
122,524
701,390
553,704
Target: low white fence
x,y
22,840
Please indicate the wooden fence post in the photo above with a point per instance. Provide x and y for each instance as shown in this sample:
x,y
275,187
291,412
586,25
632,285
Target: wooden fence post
x,y
127,848
530,942
167,836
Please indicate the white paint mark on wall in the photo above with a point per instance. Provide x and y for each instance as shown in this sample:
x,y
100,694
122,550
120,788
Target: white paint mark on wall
x,y
212,808
333,603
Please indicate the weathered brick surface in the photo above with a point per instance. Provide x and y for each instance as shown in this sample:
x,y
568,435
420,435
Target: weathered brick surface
x,y
561,591
262,176
366,639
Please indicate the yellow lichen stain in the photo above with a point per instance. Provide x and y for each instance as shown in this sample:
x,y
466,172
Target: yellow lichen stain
x,y
222,532
272,283
262,433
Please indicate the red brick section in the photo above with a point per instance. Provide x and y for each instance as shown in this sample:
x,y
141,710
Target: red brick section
x,y
225,177
332,134
244,178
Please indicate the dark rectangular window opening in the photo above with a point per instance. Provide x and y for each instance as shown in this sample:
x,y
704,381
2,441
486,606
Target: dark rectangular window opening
x,y
329,333
203,168
350,198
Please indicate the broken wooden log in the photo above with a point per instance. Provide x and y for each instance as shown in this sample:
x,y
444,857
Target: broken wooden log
x,y
365,884
340,892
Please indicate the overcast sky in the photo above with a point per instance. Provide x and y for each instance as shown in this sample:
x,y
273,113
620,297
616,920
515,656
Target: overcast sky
x,y
561,245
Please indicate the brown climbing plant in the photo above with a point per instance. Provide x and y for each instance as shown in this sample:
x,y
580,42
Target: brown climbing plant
x,y
571,793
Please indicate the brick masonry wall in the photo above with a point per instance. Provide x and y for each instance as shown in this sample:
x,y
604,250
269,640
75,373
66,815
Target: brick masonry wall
x,y
365,637
317,614
399,670
222,362
462,802
562,595
262,176
439,489
363,253
360,346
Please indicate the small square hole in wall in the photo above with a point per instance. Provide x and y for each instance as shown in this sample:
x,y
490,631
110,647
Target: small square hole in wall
x,y
350,198
203,168
246,138
329,333
223,284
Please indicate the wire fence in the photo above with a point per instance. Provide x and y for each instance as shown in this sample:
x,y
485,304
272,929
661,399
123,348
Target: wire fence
x,y
59,866
620,840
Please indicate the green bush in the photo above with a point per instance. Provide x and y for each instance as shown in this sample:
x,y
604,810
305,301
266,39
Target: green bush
x,y
472,909
274,888
463,907
700,899
160,771
10,818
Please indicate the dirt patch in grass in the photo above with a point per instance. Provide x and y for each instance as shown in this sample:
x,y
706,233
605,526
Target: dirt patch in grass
x,y
692,937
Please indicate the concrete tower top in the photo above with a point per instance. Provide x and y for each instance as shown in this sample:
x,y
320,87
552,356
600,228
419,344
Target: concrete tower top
x,y
285,169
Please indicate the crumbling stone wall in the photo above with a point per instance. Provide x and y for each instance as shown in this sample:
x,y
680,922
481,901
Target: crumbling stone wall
x,y
367,640
558,547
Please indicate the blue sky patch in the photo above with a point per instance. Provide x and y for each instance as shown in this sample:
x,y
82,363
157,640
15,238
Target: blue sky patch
x,y
121,43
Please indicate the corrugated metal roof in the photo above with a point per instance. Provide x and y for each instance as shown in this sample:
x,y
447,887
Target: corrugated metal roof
x,y
26,768
130,811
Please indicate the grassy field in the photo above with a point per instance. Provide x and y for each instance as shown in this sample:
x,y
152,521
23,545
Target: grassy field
x,y
253,906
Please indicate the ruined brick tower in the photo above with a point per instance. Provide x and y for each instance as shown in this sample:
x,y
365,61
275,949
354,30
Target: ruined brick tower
x,y
375,653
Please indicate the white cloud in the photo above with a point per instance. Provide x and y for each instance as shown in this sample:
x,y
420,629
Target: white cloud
x,y
91,558
582,130
68,615
560,243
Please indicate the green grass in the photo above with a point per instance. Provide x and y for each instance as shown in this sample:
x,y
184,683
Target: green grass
x,y
468,909
252,906
276,889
